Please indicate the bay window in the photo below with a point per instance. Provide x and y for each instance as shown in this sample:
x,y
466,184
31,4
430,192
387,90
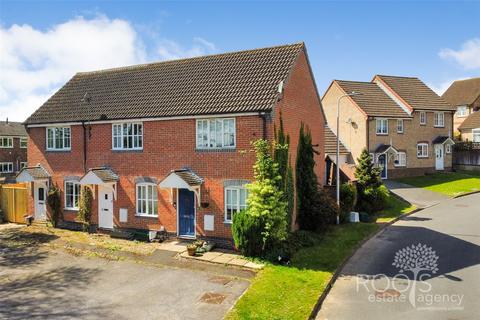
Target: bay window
x,y
216,133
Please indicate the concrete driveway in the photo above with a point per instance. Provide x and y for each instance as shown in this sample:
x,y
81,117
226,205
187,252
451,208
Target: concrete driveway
x,y
422,198
36,283
438,278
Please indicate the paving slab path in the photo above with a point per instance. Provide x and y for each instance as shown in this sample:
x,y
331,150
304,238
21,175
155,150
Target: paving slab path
x,y
442,242
419,197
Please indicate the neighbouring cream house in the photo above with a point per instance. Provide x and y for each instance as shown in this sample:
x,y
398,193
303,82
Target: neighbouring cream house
x,y
405,126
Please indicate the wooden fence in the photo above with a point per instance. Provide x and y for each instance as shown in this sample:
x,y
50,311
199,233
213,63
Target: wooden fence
x,y
467,154
14,202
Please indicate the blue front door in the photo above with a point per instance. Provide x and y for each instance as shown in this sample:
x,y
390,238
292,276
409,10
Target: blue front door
x,y
186,213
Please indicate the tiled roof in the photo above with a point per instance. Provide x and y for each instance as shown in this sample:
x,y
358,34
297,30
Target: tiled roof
x,y
12,129
416,93
373,100
245,81
384,148
441,139
105,174
463,92
189,177
331,143
37,172
472,122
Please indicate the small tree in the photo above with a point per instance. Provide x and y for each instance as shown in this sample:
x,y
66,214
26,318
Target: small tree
x,y
306,179
368,176
265,201
85,210
54,202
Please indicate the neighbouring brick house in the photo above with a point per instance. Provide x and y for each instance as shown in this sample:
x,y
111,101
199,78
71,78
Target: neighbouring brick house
x,y
168,145
464,95
404,125
13,149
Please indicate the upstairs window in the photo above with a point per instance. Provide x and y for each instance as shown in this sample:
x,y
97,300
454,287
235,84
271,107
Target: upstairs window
x,y
6,142
6,167
216,133
72,195
462,111
58,138
235,201
147,200
23,142
476,134
382,126
423,118
400,126
439,119
127,136
422,150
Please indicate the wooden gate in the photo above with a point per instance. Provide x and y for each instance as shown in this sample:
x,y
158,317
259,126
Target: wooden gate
x,y
14,202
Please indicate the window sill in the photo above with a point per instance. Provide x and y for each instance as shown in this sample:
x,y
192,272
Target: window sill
x,y
6,147
422,157
145,216
58,151
439,126
400,132
71,209
127,150
216,150
382,134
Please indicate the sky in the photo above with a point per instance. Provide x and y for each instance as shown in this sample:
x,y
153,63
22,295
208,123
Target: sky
x,y
44,43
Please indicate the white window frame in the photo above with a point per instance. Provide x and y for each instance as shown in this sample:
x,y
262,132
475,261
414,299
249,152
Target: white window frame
x,y
423,115
448,148
400,128
436,120
463,113
236,207
9,143
75,194
200,140
150,203
23,143
133,136
7,165
476,134
23,164
399,159
380,129
65,139
424,147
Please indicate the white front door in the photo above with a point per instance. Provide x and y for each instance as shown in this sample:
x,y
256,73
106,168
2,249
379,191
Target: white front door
x,y
439,155
105,208
40,197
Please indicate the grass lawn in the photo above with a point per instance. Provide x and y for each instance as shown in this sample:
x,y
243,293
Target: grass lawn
x,y
280,292
451,184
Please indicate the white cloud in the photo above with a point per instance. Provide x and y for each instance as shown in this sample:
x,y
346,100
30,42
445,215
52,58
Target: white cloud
x,y
35,63
441,87
468,56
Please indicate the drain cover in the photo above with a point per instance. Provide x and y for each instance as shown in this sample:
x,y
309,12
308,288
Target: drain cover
x,y
212,298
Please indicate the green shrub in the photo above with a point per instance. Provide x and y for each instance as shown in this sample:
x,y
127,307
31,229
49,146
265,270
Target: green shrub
x,y
85,210
246,231
374,199
348,197
55,204
323,212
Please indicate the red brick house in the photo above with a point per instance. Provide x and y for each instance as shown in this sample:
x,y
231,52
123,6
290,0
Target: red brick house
x,y
167,145
13,150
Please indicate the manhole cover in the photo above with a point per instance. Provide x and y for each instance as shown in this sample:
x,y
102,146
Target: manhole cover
x,y
387,293
219,280
212,298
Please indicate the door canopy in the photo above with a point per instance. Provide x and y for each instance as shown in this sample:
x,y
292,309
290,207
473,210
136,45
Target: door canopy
x,y
100,176
183,179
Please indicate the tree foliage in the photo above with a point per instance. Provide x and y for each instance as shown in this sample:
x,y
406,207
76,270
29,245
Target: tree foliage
x,y
265,201
85,210
366,173
55,204
372,195
306,179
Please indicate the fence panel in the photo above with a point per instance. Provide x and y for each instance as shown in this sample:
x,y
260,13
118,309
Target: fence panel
x,y
14,202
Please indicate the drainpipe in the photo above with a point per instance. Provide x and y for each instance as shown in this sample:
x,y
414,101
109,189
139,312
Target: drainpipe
x,y
84,147
263,115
